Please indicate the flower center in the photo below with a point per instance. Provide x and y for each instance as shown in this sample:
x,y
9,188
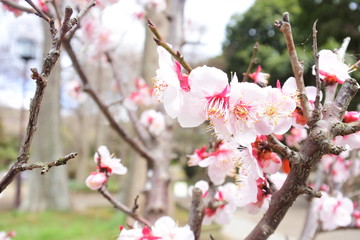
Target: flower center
x,y
218,105
241,111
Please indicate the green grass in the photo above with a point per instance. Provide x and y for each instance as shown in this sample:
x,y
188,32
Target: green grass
x,y
94,224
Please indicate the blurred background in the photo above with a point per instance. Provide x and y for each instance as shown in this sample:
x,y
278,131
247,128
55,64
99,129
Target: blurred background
x,y
219,33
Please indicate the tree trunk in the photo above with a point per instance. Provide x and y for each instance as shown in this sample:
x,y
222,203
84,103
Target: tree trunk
x,y
49,191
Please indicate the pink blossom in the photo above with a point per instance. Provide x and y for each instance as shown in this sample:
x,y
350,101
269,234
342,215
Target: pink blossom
x,y
96,180
154,121
246,101
334,211
331,69
260,77
337,167
296,136
170,84
224,205
351,141
278,179
357,218
197,156
221,162
208,98
164,228
106,162
75,90
247,177
276,113
168,230
262,198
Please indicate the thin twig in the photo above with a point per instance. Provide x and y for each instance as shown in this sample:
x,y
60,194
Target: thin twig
x,y
39,11
316,112
133,142
15,5
252,62
284,150
45,166
118,205
342,129
139,130
298,70
311,192
161,42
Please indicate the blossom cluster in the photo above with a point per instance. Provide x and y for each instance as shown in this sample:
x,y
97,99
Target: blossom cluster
x,y
164,228
7,235
106,165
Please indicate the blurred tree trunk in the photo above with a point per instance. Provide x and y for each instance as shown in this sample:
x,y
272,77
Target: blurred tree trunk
x,y
49,191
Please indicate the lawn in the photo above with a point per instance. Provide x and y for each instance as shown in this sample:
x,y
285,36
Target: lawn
x,y
93,224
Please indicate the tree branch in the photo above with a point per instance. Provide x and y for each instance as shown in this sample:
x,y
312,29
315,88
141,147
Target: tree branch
x,y
284,150
252,62
197,212
41,81
45,166
15,5
134,143
161,42
298,70
316,112
118,205
39,12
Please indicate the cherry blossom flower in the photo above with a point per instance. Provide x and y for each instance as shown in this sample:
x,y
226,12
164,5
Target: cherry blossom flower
x,y
168,230
278,179
334,211
105,161
246,101
224,205
246,179
276,114
164,228
197,156
170,84
96,180
337,167
154,121
75,90
295,136
331,69
262,198
269,161
7,235
208,98
260,77
221,162
351,141
142,94
357,218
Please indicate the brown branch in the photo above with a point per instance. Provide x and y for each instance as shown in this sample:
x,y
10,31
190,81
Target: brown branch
x,y
342,129
252,62
318,143
139,130
39,12
316,112
15,5
161,42
311,192
45,166
284,150
120,206
133,142
41,81
298,70
197,212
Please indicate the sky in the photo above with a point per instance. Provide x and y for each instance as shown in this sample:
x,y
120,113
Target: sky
x,y
211,16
